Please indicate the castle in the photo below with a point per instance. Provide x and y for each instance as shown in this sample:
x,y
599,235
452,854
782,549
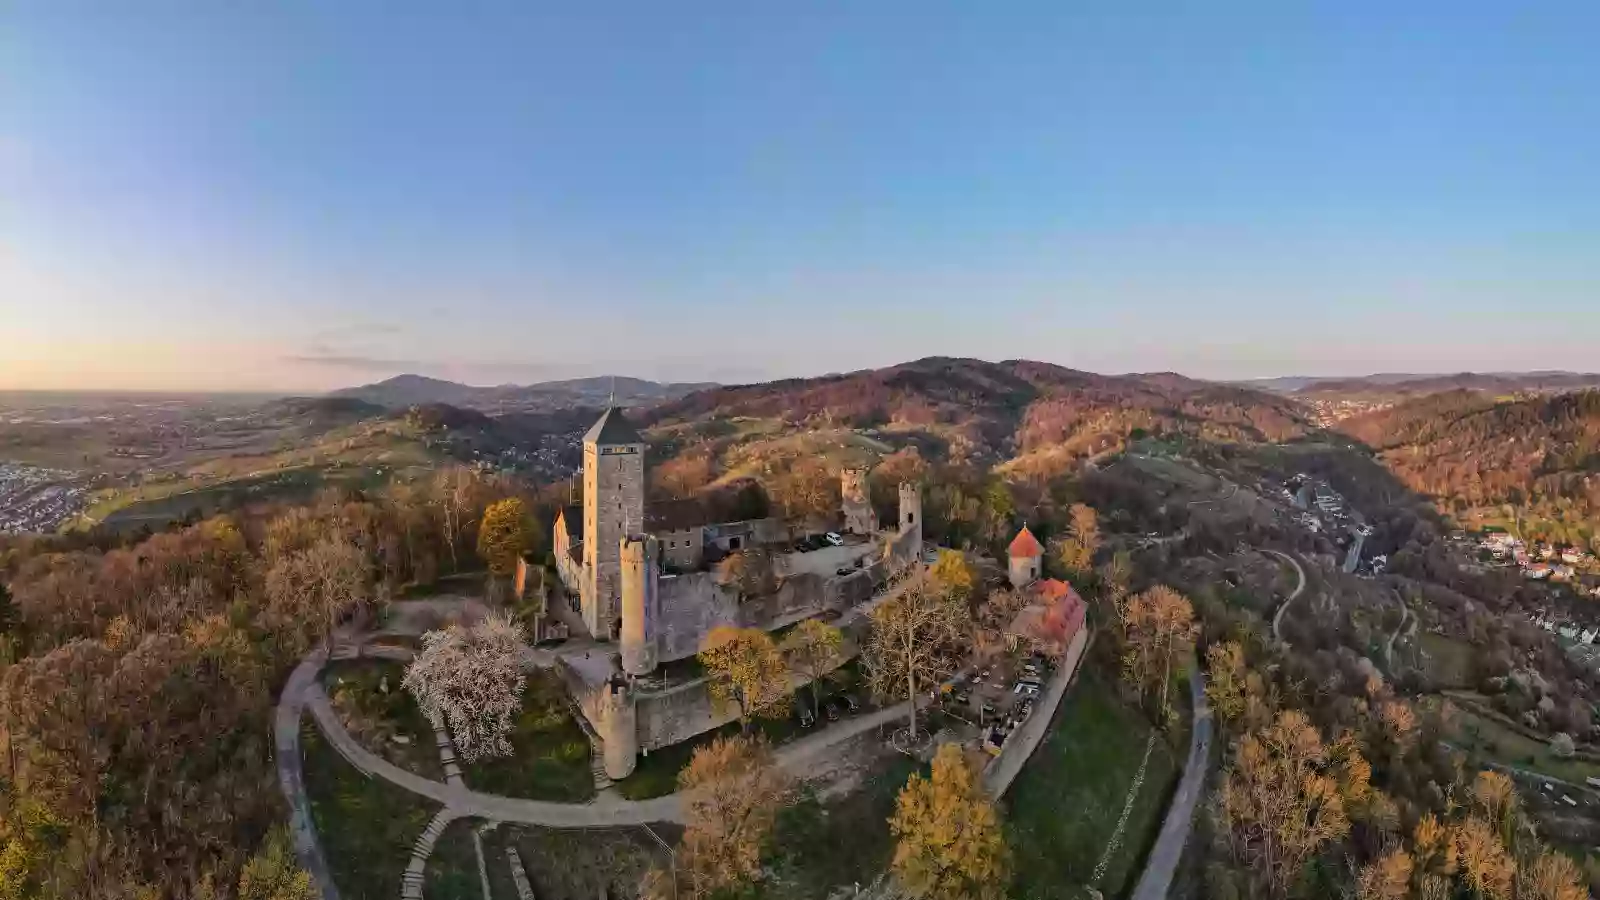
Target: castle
x,y
641,577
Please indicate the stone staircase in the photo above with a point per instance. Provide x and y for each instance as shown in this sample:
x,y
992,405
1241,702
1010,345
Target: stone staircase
x,y
447,756
519,875
415,873
597,751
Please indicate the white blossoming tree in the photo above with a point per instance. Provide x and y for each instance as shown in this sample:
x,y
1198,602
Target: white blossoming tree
x,y
471,680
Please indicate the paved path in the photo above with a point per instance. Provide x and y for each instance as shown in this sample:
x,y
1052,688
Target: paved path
x,y
1277,618
286,743
1162,863
303,693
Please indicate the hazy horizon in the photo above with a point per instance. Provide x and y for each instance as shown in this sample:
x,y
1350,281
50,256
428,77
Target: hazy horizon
x,y
304,197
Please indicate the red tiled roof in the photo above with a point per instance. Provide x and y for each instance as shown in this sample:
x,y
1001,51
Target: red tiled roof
x,y
1051,590
1054,617
1025,545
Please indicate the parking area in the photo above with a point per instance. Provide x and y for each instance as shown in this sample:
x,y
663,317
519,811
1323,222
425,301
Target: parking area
x,y
821,557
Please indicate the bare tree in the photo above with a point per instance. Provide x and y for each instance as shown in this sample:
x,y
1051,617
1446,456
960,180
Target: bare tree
x,y
453,492
812,650
916,638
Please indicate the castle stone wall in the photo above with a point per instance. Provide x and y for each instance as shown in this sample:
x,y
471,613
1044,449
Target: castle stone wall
x,y
690,606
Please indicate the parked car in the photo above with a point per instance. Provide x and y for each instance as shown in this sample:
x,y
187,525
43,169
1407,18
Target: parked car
x,y
843,570
833,538
850,702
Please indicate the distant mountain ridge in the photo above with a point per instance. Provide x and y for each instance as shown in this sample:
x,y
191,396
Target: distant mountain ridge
x,y
403,391
1416,384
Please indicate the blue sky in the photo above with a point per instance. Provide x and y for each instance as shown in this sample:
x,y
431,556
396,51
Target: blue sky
x,y
303,195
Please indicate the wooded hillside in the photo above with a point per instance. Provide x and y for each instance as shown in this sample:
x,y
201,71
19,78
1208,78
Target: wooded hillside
x,y
1540,456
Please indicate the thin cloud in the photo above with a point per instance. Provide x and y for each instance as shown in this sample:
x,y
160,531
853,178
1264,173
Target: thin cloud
x,y
359,363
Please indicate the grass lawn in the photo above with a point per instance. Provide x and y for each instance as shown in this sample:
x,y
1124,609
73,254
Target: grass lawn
x,y
825,845
1483,737
656,775
366,825
452,870
1065,805
574,864
550,758
1447,660
375,716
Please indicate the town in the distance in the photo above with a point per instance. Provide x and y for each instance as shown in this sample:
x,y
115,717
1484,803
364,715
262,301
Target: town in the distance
x,y
947,629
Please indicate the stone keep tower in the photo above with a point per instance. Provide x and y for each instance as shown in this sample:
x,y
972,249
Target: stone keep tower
x,y
858,515
911,513
640,606
613,507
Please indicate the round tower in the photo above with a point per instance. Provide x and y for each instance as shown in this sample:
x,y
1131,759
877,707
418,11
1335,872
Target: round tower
x,y
619,730
639,610
1026,558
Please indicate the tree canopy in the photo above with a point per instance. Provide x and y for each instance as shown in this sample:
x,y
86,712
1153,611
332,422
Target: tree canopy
x,y
949,843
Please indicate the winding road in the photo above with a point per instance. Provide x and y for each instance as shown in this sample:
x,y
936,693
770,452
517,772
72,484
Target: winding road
x,y
1277,617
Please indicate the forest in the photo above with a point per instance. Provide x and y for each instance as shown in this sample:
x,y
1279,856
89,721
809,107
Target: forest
x,y
140,675
1530,461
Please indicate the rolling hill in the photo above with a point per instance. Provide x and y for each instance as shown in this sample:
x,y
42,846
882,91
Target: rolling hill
x,y
1013,412
403,391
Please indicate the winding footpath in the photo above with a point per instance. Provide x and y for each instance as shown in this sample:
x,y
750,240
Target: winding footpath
x,y
303,693
1277,618
1162,864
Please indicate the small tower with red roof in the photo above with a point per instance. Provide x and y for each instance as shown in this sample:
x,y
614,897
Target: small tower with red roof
x,y
1027,558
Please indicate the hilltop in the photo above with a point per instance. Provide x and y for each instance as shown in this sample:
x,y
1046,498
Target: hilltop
x,y
1031,418
404,391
